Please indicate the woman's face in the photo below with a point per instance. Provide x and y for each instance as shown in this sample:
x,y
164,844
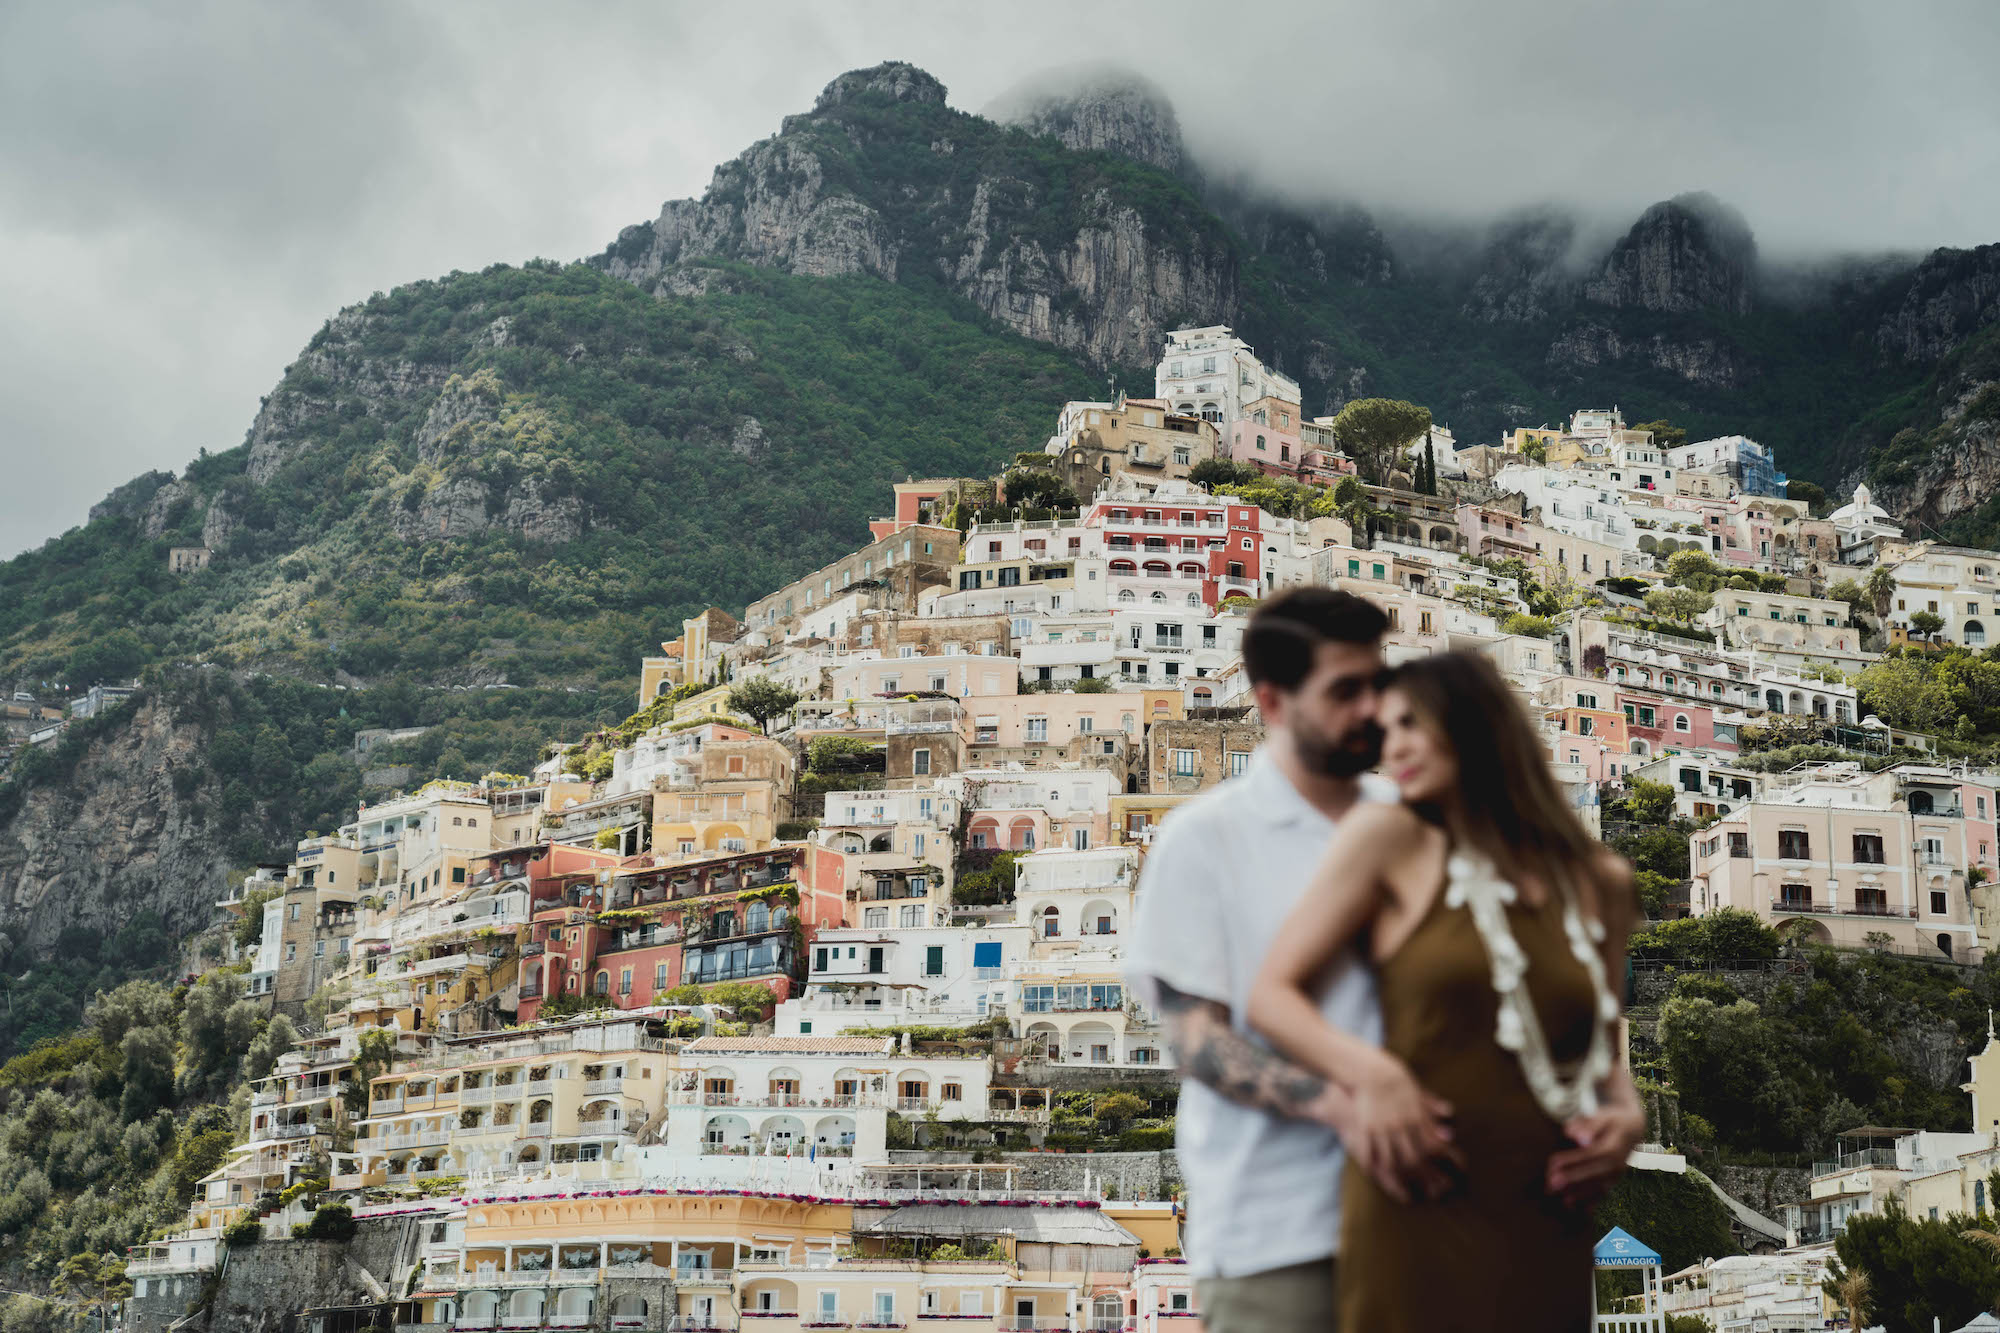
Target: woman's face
x,y
1414,755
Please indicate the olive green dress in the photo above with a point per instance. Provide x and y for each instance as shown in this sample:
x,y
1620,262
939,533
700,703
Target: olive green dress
x,y
1497,1252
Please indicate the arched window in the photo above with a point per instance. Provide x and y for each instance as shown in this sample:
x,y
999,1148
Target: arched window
x,y
1051,923
1127,595
1681,722
1159,596
1921,803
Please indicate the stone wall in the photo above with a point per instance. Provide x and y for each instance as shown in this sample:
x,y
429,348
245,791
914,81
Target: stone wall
x,y
1765,1188
266,1287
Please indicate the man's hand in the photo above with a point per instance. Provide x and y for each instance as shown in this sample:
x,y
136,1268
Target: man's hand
x,y
1583,1175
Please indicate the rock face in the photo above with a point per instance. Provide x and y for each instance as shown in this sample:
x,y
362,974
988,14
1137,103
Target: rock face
x,y
1702,360
1108,293
1952,295
133,498
1110,111
333,364
1100,279
1522,274
1690,253
116,839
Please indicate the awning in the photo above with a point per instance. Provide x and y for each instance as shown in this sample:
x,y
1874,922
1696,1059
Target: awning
x,y
1619,1249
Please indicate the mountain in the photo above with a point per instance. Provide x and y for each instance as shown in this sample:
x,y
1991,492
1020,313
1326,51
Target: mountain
x,y
473,502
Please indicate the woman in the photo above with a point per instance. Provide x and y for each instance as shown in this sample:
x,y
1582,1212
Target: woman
x,y
1497,929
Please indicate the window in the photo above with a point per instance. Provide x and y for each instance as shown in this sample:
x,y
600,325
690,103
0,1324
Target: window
x,y
1794,844
1940,904
1739,846
1038,730
920,762
829,1306
1868,849
1239,763
1184,763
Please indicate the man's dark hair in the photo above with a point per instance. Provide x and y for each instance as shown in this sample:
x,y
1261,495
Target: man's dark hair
x,y
1285,633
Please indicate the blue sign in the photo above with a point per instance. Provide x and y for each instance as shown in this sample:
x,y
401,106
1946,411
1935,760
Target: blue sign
x,y
1619,1250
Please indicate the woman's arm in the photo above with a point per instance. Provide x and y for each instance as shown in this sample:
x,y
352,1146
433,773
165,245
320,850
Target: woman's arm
x,y
1395,1129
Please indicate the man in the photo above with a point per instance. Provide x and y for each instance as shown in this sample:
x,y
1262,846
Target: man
x,y
1257,1135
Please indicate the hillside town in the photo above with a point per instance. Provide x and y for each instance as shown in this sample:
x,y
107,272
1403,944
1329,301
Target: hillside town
x,y
797,1001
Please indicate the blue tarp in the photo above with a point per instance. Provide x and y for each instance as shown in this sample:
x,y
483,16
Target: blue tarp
x,y
1619,1250
986,955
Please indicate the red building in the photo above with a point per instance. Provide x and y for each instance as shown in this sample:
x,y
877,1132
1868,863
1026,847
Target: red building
x,y
632,932
1161,550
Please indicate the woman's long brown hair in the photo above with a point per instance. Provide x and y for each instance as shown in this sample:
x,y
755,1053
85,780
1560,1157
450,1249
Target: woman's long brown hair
x,y
1511,809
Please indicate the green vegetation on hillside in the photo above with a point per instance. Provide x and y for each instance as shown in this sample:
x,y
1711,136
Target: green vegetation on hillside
x,y
105,1132
630,405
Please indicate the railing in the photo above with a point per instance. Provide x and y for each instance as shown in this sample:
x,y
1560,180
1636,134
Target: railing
x,y
730,1099
264,1097
297,1131
148,1267
539,1087
476,1096
603,1086
527,1277
1807,907
385,1105
538,1131
705,1277
1867,1157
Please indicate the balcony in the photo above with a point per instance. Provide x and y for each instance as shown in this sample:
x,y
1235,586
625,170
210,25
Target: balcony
x,y
476,1096
539,1087
297,1131
1807,907
705,1277
538,1131
264,1097
386,1105
1865,1158
603,1087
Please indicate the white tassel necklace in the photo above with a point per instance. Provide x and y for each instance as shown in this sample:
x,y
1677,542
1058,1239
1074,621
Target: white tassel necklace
x,y
1474,884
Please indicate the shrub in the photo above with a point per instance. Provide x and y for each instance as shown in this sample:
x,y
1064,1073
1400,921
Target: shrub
x,y
246,1230
330,1221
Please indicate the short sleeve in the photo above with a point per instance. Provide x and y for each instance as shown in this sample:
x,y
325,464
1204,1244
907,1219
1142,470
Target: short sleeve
x,y
1180,928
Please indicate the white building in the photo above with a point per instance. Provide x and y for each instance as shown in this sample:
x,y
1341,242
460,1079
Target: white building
x,y
1580,503
934,975
1211,373
818,1096
1954,583
1861,525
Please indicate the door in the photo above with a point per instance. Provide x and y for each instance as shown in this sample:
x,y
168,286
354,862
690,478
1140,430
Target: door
x,y
875,960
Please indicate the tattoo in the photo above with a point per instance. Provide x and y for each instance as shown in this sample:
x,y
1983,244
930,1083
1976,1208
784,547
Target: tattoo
x,y
1212,1052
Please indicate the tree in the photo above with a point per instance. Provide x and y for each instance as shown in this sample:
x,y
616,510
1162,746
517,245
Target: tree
x,y
1655,890
1906,691
1926,624
1918,1269
1665,434
1375,432
1219,473
1881,587
1117,1109
1430,464
1813,496
1037,488
760,698
1648,802
1682,604
1694,570
1527,626
1536,451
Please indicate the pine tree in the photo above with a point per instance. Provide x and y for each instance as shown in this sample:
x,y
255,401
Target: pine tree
x,y
1430,469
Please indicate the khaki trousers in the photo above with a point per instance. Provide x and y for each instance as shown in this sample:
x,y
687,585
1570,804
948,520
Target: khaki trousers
x,y
1298,1299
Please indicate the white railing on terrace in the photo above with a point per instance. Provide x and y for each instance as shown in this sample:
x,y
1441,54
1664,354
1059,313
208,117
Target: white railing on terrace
x,y
598,1087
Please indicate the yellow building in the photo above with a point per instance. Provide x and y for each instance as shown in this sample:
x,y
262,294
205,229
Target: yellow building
x,y
742,793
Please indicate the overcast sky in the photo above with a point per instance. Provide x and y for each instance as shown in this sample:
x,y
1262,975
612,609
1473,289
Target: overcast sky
x,y
188,189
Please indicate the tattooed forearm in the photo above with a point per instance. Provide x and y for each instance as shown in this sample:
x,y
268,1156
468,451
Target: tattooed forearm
x,y
1212,1052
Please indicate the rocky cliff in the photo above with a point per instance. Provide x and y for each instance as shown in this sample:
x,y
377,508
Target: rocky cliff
x,y
1689,253
1101,110
1952,295
881,179
1940,470
123,832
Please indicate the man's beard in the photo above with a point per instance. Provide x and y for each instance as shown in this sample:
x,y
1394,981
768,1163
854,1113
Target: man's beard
x,y
1347,755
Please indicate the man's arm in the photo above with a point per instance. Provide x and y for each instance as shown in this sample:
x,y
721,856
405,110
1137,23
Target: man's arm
x,y
1213,1053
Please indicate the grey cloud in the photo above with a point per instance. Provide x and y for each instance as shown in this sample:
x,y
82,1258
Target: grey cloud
x,y
187,191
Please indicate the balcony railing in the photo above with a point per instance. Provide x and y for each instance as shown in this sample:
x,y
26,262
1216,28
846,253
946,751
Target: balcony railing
x,y
1866,1157
599,1087
1807,907
539,1131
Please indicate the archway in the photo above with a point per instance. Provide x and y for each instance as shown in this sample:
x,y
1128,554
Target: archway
x,y
1921,803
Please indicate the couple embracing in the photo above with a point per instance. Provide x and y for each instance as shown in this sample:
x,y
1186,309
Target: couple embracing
x,y
1393,999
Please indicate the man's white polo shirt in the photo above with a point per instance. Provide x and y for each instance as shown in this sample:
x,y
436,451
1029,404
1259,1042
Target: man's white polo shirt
x,y
1225,871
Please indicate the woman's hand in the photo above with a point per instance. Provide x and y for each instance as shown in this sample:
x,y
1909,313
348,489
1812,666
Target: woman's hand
x,y
1398,1133
1584,1174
